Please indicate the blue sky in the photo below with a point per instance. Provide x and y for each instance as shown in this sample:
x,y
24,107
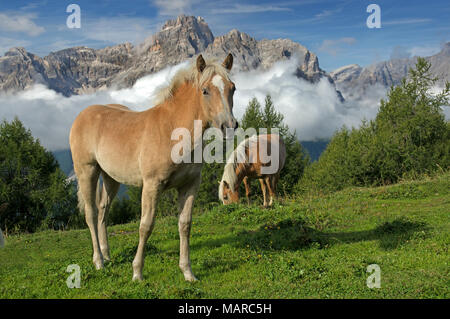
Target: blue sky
x,y
335,30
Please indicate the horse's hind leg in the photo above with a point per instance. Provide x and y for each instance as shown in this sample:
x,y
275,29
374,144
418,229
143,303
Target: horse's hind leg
x,y
88,175
264,191
269,183
109,191
274,183
247,189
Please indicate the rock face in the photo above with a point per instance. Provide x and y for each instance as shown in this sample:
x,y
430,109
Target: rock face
x,y
81,70
71,71
250,54
19,69
353,80
440,64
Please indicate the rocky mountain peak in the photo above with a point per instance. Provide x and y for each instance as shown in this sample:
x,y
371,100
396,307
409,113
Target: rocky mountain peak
x,y
82,70
16,51
185,35
346,73
184,20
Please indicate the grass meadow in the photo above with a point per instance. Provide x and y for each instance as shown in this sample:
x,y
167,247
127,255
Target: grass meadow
x,y
304,247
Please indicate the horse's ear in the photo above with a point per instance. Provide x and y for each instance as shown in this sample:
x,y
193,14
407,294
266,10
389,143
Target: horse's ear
x,y
201,64
228,62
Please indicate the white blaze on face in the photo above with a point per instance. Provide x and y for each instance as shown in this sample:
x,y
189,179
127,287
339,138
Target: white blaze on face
x,y
223,116
218,82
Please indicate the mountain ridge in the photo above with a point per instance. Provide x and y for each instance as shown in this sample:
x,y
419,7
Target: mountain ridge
x,y
80,70
354,80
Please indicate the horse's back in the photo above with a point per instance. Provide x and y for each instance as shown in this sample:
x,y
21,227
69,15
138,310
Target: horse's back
x,y
277,141
273,142
119,107
97,115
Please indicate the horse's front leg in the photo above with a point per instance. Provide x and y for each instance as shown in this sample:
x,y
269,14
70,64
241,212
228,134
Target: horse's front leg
x,y
186,197
150,193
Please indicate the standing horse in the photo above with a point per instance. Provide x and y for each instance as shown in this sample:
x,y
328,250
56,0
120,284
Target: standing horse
x,y
252,166
134,148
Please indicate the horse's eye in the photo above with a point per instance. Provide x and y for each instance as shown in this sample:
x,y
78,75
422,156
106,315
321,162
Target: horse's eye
x,y
225,196
205,92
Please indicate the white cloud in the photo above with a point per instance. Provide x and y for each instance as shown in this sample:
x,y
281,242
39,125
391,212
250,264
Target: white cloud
x,y
173,7
334,46
326,13
177,7
405,21
400,52
14,22
249,8
8,43
118,29
313,110
49,114
423,51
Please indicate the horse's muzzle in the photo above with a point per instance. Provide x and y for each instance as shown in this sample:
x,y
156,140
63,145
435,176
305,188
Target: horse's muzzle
x,y
228,131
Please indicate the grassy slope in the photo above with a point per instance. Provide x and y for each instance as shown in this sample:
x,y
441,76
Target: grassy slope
x,y
316,247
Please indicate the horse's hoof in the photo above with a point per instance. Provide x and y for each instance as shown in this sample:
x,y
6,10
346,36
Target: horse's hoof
x,y
137,277
98,265
190,278
106,257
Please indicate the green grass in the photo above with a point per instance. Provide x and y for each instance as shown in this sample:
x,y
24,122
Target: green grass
x,y
314,247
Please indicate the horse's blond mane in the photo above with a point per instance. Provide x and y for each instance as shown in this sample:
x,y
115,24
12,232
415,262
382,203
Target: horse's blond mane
x,y
191,74
237,156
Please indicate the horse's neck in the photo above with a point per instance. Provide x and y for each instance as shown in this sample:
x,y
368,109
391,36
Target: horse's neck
x,y
184,108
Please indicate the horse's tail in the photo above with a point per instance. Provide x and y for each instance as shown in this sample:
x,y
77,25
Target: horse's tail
x,y
2,240
98,197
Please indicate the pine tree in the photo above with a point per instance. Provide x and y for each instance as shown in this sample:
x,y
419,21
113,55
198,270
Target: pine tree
x,y
31,182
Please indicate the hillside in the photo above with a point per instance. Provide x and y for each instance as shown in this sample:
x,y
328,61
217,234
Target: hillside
x,y
311,247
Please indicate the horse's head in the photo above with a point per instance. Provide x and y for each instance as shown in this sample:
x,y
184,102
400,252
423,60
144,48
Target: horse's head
x,y
217,92
226,194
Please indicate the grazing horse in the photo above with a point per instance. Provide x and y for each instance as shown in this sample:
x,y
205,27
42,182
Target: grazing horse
x,y
252,166
134,148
